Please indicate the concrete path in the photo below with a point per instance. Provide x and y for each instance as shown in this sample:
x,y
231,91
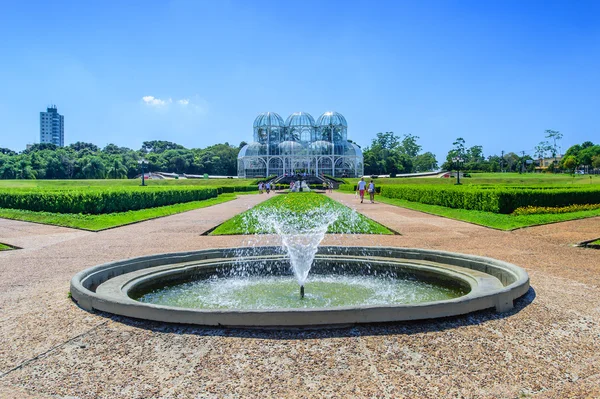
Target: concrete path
x,y
548,347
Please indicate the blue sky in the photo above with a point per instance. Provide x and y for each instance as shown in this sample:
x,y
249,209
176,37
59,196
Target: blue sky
x,y
497,73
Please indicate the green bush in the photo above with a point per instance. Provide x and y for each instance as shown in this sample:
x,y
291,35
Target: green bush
x,y
101,200
497,200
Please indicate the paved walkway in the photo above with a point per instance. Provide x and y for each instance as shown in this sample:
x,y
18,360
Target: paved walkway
x,y
550,345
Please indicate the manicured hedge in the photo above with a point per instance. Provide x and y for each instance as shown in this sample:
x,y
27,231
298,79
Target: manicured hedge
x,y
497,200
509,200
98,201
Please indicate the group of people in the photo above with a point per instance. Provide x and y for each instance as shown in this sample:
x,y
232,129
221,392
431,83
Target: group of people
x,y
370,188
264,187
328,187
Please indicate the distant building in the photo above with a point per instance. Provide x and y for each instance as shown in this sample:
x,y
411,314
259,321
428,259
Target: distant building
x,y
52,127
543,164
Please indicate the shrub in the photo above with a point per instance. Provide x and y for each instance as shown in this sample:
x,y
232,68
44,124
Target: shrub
x,y
497,200
101,200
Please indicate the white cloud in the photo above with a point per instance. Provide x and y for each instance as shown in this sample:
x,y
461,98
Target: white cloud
x,y
191,105
157,102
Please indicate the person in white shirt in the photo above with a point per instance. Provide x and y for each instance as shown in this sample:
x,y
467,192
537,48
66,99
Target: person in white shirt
x,y
361,188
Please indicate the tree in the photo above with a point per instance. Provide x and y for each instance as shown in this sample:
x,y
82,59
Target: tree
x,y
80,146
570,163
409,145
425,162
94,168
458,151
555,136
159,146
596,161
117,170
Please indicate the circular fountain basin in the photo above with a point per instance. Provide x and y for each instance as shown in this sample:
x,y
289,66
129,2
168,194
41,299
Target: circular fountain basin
x,y
254,288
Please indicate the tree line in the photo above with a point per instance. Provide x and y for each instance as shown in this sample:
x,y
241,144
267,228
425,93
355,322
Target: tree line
x,y
578,156
388,154
88,161
392,154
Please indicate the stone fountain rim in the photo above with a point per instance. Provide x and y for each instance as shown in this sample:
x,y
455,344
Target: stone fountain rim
x,y
517,284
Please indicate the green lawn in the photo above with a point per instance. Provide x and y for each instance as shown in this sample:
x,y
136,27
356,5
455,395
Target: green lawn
x,y
511,179
4,247
66,184
106,221
297,212
489,219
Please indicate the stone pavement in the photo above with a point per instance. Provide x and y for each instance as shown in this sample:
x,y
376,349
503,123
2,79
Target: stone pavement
x,y
549,346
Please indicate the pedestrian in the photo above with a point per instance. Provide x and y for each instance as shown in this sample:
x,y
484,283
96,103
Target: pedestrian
x,y
331,187
371,190
268,187
325,186
361,189
260,187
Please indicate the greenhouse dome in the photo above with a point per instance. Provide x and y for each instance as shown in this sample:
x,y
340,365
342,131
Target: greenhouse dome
x,y
268,128
300,126
332,118
332,126
300,145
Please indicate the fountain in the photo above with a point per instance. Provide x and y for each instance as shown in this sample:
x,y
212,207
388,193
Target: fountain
x,y
338,285
300,186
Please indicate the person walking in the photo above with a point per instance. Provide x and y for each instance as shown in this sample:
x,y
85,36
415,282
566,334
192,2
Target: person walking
x,y
268,187
371,190
361,189
260,187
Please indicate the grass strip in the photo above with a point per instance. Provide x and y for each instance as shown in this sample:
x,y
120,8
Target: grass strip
x,y
293,206
490,219
110,220
597,242
4,247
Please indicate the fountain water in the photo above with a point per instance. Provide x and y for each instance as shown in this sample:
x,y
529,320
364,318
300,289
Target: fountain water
x,y
300,234
300,185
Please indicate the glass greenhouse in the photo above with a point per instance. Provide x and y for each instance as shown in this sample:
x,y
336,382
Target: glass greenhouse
x,y
300,145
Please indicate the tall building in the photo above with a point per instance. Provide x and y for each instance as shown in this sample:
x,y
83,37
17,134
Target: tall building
x,y
52,127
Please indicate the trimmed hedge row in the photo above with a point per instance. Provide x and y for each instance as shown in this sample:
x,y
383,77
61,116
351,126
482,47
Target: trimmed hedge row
x,y
99,201
498,200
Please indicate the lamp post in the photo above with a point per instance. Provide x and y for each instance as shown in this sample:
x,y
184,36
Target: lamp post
x,y
457,161
142,162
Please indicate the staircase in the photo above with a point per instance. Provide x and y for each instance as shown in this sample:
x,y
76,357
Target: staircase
x,y
318,180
